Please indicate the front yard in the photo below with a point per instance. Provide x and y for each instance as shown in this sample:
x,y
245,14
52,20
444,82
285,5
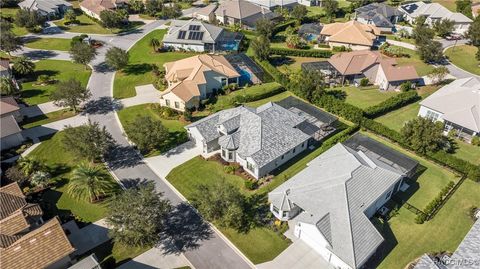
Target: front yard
x,y
464,57
34,93
138,72
422,68
47,118
61,44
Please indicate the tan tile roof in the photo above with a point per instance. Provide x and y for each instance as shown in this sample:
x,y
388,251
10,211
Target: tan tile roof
x,y
97,6
351,32
356,62
187,74
11,199
8,104
13,224
38,248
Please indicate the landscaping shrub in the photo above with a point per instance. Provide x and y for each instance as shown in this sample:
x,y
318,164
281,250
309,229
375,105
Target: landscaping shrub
x,y
335,106
406,86
476,141
301,53
391,104
364,82
251,184
273,72
472,211
341,49
392,51
165,112
229,169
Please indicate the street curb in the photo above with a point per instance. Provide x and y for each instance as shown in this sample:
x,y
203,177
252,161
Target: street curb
x,y
444,50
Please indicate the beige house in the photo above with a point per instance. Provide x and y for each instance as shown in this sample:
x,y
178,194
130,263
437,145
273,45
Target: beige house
x,y
93,8
352,34
196,78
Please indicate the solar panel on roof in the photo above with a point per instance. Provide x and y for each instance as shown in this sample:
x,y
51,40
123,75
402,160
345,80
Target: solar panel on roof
x,y
181,34
195,35
194,27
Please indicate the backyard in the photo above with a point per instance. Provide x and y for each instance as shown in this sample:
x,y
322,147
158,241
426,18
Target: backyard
x,y
414,60
177,134
364,97
61,44
34,93
138,72
464,57
288,64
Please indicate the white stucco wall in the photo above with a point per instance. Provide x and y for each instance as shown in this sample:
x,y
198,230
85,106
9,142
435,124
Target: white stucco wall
x,y
423,112
90,13
347,45
189,47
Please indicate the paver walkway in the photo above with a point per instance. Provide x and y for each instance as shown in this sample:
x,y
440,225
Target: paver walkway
x,y
145,94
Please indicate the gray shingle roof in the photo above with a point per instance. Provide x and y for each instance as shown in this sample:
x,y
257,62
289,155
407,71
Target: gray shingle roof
x,y
425,262
468,250
382,9
210,32
48,6
264,133
344,194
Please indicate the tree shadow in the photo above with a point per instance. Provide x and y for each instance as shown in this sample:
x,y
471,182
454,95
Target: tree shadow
x,y
122,157
281,60
134,182
413,185
102,68
184,229
31,93
137,69
102,105
40,54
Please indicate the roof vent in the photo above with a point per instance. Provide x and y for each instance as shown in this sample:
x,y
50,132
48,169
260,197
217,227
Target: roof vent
x,y
47,232
287,192
17,248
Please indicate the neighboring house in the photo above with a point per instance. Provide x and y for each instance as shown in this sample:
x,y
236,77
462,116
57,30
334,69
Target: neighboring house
x,y
352,34
89,262
310,31
27,242
206,13
435,12
475,9
329,204
457,105
379,69
273,4
467,255
93,8
196,78
199,36
48,8
381,15
11,134
242,12
5,70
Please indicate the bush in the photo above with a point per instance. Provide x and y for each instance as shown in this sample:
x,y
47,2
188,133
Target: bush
x,y
392,103
44,79
341,49
476,141
472,211
364,82
406,86
166,113
301,53
251,184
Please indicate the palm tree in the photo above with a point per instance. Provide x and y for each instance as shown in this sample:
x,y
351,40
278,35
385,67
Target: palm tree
x,y
7,86
90,182
23,65
29,165
154,43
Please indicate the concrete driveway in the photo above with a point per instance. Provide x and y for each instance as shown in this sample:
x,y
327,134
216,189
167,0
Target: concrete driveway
x,y
297,256
155,258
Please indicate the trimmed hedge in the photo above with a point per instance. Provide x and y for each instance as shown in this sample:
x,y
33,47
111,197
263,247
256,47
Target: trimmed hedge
x,y
434,205
273,72
301,53
282,27
392,103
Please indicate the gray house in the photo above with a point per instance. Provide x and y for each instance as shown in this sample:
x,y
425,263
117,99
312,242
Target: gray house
x,y
48,8
10,132
329,203
381,15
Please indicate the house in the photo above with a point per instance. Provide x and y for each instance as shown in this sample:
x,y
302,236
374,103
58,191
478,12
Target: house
x,y
353,66
352,34
242,12
273,4
475,9
5,70
11,134
381,15
26,241
310,31
206,13
435,12
457,105
93,8
48,8
329,204
199,36
196,78
466,256
89,262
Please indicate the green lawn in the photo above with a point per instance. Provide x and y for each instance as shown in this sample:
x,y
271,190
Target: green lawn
x,y
464,57
47,118
228,100
291,63
58,70
259,244
52,153
113,254
138,72
10,12
49,44
468,152
366,96
274,98
175,127
421,67
397,118
397,38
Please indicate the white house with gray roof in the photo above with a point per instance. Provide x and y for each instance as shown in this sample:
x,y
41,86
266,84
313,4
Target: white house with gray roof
x,y
457,105
47,8
259,139
330,202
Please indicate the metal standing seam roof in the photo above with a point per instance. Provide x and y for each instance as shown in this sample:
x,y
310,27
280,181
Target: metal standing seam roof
x,y
211,32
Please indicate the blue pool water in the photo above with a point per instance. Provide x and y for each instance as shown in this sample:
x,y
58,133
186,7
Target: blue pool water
x,y
245,77
231,46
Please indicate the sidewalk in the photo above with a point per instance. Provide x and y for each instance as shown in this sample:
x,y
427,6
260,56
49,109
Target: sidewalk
x,y
155,258
36,132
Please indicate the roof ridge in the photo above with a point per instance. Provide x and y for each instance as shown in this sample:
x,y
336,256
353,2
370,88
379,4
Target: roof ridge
x,y
350,232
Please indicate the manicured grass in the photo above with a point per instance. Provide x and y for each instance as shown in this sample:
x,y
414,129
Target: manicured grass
x,y
228,100
113,254
58,70
397,38
464,57
47,118
10,13
364,97
431,178
175,127
315,10
468,152
421,67
408,240
49,44
274,98
138,72
52,153
397,118
292,64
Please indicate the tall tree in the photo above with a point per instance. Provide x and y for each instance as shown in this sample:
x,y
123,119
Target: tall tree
x,y
70,16
89,141
136,216
90,182
70,93
330,7
147,133
136,5
443,27
423,135
8,87
421,32
307,84
30,19
474,32
430,51
117,58
464,7
112,19
82,53
299,11
23,66
221,203
264,27
10,42
261,47
438,74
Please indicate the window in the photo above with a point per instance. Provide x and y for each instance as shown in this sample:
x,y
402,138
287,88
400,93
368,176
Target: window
x,y
303,144
224,154
388,195
181,34
293,151
224,81
284,214
167,102
230,155
250,166
177,104
432,115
